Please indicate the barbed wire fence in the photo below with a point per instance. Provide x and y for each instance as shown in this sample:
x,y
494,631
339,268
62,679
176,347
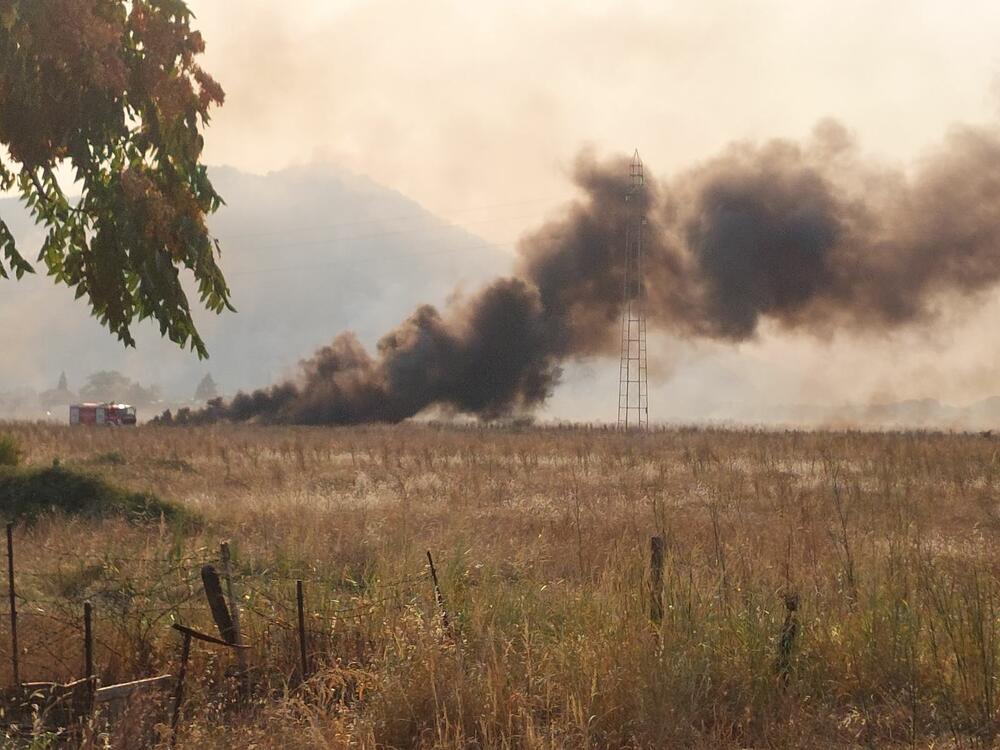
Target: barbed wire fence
x,y
294,614
299,615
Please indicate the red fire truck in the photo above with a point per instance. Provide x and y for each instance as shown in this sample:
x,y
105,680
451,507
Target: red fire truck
x,y
111,414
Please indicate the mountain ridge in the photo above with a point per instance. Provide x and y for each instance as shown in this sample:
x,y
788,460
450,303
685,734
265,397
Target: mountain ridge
x,y
309,251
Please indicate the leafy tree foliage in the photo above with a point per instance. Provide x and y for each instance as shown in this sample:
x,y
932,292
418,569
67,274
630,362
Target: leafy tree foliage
x,y
207,389
58,396
111,385
107,93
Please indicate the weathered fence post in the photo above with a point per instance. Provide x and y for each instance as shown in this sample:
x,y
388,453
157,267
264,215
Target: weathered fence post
x,y
656,545
13,605
179,690
217,603
188,634
234,608
223,618
786,640
88,653
300,601
438,596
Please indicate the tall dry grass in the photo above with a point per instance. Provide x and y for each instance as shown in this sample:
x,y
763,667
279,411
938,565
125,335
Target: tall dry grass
x,y
541,540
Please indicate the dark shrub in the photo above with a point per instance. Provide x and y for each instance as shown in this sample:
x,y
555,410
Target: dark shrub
x,y
10,451
27,493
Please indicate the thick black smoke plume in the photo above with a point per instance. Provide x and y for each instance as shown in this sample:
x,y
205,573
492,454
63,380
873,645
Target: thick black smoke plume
x,y
808,236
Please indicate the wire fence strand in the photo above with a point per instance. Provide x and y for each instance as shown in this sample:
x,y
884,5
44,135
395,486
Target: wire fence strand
x,y
136,595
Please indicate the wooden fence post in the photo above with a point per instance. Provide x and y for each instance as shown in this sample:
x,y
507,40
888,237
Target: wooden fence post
x,y
300,601
13,605
188,634
234,608
179,690
438,596
217,603
88,653
656,545
786,640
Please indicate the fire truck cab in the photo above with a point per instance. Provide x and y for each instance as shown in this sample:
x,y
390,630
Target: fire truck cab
x,y
109,414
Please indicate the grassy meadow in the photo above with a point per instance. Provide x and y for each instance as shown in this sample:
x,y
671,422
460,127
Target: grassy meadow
x,y
541,540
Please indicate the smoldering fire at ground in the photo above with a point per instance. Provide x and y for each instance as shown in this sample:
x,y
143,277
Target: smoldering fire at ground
x,y
808,235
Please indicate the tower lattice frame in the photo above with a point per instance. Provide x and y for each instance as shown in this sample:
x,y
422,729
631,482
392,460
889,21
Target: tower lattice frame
x,y
633,389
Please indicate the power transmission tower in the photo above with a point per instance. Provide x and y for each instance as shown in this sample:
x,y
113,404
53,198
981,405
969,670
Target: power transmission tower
x,y
633,406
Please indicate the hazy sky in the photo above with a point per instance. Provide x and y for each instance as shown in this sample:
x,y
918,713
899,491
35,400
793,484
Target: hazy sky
x,y
476,109
465,106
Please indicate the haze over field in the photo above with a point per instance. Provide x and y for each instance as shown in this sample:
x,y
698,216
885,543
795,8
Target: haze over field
x,y
305,249
424,244
484,133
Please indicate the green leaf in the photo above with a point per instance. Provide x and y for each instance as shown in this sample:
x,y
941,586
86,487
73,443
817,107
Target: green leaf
x,y
144,195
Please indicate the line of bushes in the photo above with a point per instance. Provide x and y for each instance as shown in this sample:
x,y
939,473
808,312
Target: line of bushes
x,y
28,492
10,451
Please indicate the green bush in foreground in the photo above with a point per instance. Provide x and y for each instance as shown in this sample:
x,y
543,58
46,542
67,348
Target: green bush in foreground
x,y
28,493
10,451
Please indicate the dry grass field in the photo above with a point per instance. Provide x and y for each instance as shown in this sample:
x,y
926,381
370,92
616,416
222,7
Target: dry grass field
x,y
541,539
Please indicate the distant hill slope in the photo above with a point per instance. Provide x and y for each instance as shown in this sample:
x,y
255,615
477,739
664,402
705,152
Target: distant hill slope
x,y
308,252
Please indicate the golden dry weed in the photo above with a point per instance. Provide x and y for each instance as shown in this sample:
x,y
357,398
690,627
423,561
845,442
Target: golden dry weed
x,y
541,539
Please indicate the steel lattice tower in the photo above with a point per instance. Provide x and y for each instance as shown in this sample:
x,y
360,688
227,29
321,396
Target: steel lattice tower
x,y
633,393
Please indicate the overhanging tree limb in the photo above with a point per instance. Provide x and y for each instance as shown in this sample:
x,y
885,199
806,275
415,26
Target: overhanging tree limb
x,y
110,90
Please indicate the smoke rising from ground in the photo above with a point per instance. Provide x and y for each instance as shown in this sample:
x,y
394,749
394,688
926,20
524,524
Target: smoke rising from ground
x,y
809,236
